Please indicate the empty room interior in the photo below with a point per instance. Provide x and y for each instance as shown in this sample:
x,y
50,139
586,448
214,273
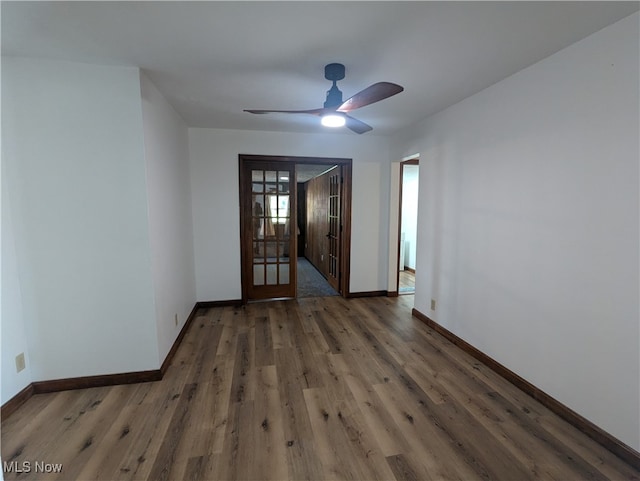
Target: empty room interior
x,y
320,240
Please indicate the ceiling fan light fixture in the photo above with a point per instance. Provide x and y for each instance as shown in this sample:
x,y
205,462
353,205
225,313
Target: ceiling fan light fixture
x,y
335,112
333,120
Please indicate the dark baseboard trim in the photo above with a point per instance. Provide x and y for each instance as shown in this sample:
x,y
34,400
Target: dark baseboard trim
x,y
85,382
392,294
352,295
176,343
407,268
16,401
228,303
608,441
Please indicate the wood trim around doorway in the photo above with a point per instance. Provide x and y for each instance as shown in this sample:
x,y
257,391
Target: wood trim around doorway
x,y
345,242
415,161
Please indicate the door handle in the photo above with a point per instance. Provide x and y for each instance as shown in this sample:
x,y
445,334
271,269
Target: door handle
x,y
329,235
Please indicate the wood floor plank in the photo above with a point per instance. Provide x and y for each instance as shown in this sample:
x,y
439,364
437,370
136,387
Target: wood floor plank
x,y
333,445
357,352
242,384
228,338
331,338
430,384
270,461
82,444
536,452
163,466
278,321
607,463
404,469
308,309
30,424
302,457
264,344
194,469
138,461
315,389
80,424
220,398
237,460
386,432
436,453
363,440
116,444
478,378
332,368
302,347
466,432
557,452
307,306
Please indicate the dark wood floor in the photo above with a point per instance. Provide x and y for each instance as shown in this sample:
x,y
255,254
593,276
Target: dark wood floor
x,y
321,388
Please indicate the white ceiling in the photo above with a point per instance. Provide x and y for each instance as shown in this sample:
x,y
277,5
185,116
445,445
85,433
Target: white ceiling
x,y
213,59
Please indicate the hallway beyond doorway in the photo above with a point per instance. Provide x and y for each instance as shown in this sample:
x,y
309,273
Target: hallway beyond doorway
x,y
310,282
406,282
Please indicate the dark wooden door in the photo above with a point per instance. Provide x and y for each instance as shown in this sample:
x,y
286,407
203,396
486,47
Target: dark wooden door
x,y
335,227
268,220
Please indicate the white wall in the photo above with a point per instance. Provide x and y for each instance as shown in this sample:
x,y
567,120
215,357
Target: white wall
x,y
394,220
214,183
410,213
13,335
528,224
75,174
170,224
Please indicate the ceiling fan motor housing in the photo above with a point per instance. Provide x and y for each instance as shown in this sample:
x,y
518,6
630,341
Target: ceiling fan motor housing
x,y
333,72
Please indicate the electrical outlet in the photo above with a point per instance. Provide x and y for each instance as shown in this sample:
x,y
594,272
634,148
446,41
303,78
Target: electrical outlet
x,y
433,304
20,363
175,318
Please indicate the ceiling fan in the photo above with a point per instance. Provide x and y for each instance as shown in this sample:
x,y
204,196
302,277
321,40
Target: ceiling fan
x,y
335,111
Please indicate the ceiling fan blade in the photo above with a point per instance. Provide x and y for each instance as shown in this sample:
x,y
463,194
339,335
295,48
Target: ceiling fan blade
x,y
310,111
358,126
373,93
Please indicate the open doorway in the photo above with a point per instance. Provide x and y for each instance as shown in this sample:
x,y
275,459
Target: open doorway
x,y
408,226
318,219
270,226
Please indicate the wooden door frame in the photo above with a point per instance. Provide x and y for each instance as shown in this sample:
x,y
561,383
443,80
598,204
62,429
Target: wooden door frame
x,y
345,241
414,161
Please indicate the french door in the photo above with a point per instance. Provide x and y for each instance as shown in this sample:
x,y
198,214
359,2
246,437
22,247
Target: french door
x,y
267,214
269,225
335,227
